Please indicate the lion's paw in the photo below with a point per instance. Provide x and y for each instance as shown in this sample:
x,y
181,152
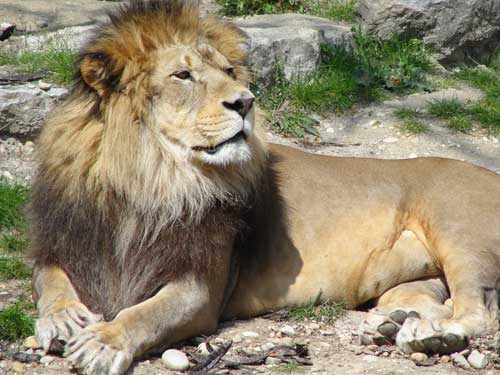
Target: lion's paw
x,y
431,336
100,349
381,328
61,322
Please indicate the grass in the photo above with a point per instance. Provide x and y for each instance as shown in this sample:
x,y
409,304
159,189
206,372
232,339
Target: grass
x,y
460,123
406,114
13,238
16,323
56,58
320,310
338,10
286,368
413,126
11,268
446,108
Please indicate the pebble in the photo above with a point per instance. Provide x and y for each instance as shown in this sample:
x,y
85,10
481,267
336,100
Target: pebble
x,y
477,360
288,331
18,368
267,346
445,359
330,130
249,334
460,361
175,360
327,333
203,349
31,343
390,140
272,361
44,85
418,357
47,359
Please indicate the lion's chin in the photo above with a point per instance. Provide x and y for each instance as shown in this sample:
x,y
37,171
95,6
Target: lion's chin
x,y
232,153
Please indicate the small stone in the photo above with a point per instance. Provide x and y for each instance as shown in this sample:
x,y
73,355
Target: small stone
x,y
175,360
267,346
418,357
17,368
288,331
203,349
44,85
222,372
412,156
47,359
390,140
374,123
477,360
445,359
330,130
7,175
460,361
327,333
31,343
250,334
272,361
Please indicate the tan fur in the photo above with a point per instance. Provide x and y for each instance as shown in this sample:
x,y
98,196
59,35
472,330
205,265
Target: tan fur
x,y
136,219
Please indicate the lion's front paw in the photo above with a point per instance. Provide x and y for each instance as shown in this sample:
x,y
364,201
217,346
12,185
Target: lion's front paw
x,y
61,322
100,349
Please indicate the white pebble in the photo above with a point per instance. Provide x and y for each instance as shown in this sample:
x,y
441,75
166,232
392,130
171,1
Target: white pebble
x,y
460,361
45,360
327,333
175,360
267,346
390,140
288,331
44,85
419,357
477,360
203,349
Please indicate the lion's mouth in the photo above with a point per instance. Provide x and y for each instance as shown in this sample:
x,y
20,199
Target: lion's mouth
x,y
214,149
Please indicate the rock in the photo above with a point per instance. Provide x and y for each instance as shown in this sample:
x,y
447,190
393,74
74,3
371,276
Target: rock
x,y
460,361
17,368
477,360
250,334
31,343
456,29
445,359
291,40
327,333
272,361
267,346
175,360
390,140
24,107
418,357
47,359
288,331
203,349
7,176
44,85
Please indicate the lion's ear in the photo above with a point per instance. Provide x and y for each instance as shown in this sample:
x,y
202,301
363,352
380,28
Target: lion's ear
x,y
95,71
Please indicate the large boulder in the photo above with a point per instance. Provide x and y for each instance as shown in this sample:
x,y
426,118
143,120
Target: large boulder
x,y
459,30
291,40
23,108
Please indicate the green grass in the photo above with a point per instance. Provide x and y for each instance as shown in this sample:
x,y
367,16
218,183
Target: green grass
x,y
413,126
487,110
56,58
286,368
13,226
460,123
406,114
320,310
338,10
16,323
446,108
11,268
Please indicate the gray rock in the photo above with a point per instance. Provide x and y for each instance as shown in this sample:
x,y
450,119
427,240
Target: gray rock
x,y
291,40
460,361
477,360
458,29
23,108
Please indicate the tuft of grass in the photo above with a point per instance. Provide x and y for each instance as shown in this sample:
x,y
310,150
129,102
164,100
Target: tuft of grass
x,y
11,269
56,58
286,368
460,123
320,310
413,126
487,79
12,198
336,10
405,114
393,64
446,108
14,242
251,7
15,323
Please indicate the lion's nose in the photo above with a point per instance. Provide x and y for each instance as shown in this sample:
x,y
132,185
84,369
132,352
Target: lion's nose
x,y
241,105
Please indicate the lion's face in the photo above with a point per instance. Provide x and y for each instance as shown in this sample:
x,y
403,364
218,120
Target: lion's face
x,y
199,104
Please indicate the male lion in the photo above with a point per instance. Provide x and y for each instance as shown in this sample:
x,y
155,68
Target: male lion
x,y
159,210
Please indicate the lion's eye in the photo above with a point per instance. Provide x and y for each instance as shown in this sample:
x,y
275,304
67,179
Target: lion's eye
x,y
230,72
184,74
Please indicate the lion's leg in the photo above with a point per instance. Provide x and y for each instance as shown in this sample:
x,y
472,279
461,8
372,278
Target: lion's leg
x,y
421,299
472,280
61,314
180,310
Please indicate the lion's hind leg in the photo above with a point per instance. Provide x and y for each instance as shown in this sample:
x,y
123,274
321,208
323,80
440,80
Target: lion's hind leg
x,y
61,314
422,299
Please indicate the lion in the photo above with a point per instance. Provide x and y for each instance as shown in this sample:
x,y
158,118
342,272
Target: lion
x,y
159,210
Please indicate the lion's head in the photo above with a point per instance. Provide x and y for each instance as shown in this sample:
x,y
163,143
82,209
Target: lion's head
x,y
161,115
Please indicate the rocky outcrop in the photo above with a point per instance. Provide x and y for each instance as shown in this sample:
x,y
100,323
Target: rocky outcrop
x,y
23,108
459,30
291,40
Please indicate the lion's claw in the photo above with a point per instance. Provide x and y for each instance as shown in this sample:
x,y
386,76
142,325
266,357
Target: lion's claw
x,y
62,323
97,351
